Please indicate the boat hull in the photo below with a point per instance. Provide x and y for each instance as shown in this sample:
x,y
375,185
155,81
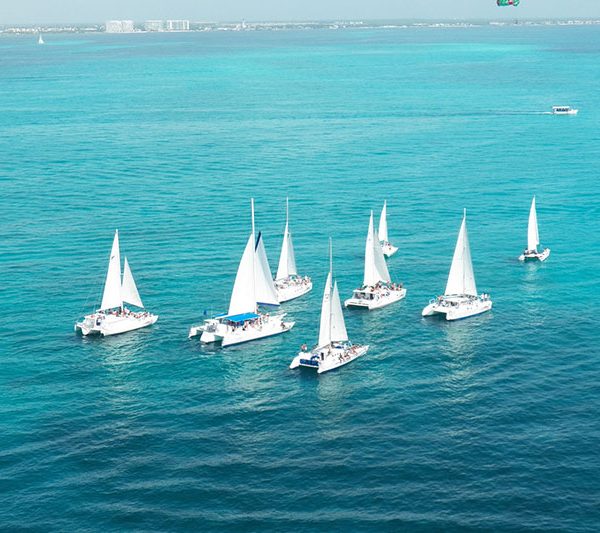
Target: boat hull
x,y
457,308
535,256
329,358
381,300
290,289
217,331
108,325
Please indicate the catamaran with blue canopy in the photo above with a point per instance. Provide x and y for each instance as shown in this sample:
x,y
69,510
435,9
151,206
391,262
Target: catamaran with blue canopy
x,y
253,286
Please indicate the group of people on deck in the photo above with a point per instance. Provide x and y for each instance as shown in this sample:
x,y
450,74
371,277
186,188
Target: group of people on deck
x,y
292,281
380,289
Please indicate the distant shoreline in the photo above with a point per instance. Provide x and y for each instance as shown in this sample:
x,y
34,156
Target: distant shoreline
x,y
18,29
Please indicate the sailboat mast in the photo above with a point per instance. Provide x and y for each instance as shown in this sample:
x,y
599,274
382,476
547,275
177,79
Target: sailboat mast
x,y
253,257
330,290
464,230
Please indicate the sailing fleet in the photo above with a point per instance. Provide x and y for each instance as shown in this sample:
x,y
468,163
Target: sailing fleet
x,y
256,297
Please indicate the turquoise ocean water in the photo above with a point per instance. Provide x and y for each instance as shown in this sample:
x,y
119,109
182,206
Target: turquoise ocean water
x,y
486,424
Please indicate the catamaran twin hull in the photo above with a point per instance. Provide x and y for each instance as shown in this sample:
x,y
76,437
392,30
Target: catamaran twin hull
x,y
376,299
535,256
329,358
456,308
108,324
228,334
291,289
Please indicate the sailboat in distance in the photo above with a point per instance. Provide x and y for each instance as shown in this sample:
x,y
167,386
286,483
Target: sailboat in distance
x,y
288,283
253,286
333,348
388,249
40,38
533,239
377,289
460,300
113,317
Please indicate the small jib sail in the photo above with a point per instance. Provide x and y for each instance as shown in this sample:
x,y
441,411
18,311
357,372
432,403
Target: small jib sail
x,y
253,282
332,327
461,280
287,259
376,269
533,237
129,291
383,227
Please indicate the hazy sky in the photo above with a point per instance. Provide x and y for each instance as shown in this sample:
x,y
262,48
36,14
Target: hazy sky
x,y
30,11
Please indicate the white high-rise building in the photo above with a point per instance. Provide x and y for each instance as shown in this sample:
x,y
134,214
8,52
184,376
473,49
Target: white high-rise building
x,y
154,25
119,26
178,25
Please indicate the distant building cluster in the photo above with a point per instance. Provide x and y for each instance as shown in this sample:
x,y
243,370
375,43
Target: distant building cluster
x,y
128,26
119,26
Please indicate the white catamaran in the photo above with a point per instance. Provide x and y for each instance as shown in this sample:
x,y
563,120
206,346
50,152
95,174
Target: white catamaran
x,y
460,299
253,286
533,239
113,317
377,289
388,249
288,283
333,348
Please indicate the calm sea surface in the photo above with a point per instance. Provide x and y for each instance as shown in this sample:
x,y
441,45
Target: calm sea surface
x,y
487,424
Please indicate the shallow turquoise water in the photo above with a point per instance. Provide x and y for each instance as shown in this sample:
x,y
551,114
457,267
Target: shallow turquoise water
x,y
490,423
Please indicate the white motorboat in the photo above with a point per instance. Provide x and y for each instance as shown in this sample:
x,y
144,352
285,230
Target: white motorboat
x,y
113,317
533,239
253,286
288,283
333,348
564,110
460,300
387,247
377,289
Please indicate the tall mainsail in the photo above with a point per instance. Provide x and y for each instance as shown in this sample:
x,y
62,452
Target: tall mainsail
x,y
338,326
325,327
111,297
383,228
287,259
461,280
253,281
533,237
265,292
242,296
129,291
376,269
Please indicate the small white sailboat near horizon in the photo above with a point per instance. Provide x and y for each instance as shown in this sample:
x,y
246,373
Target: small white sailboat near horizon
x,y
40,38
113,317
253,286
377,289
533,239
288,283
333,348
460,299
387,247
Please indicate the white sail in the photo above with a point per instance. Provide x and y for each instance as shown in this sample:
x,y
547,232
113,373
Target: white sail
x,y
242,296
265,292
338,327
325,328
287,259
111,297
383,227
376,269
461,280
533,237
129,291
